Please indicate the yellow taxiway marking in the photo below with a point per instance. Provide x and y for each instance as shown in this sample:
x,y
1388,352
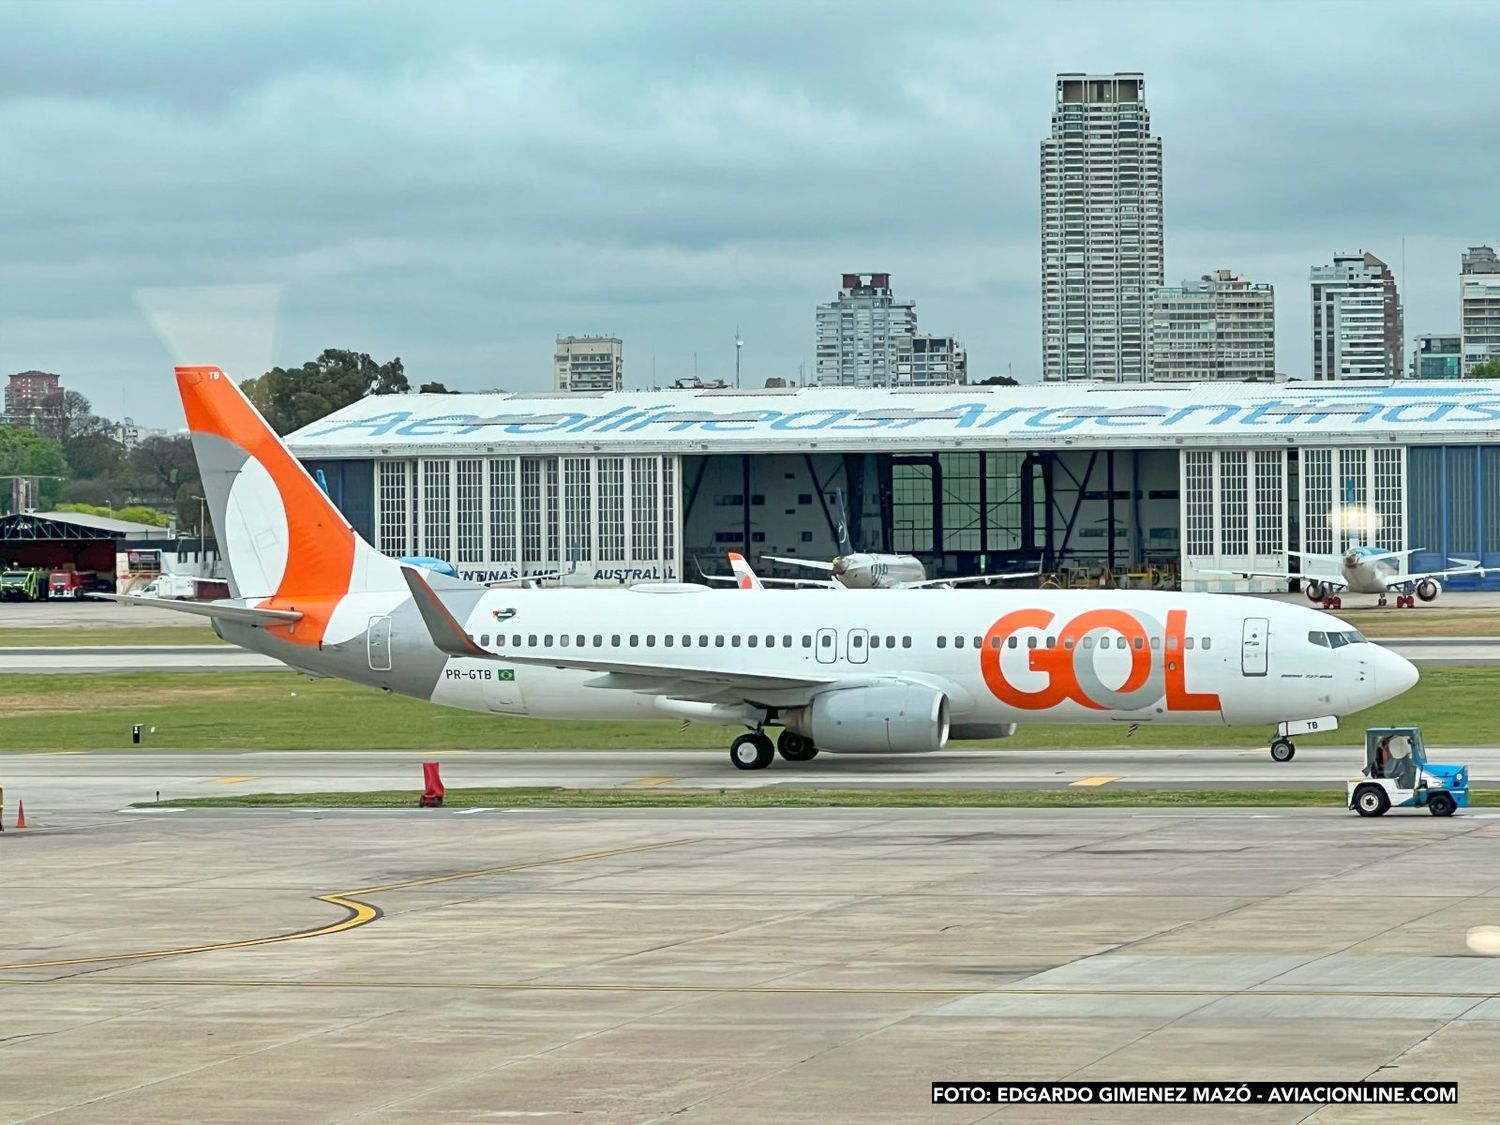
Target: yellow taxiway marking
x,y
648,782
1093,781
357,913
234,779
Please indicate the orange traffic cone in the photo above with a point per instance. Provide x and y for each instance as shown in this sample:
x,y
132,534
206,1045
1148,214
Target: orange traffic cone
x,y
20,814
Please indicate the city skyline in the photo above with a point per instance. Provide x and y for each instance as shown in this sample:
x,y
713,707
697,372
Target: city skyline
x,y
458,186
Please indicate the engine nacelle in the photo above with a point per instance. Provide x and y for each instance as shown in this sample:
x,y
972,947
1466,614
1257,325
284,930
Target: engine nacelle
x,y
1429,589
1313,590
896,718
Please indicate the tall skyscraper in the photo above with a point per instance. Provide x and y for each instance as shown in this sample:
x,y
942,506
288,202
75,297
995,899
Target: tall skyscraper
x,y
858,332
1479,306
1220,327
588,363
1101,229
1356,318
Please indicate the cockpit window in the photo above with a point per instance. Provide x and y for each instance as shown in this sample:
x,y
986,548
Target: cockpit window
x,y
1337,640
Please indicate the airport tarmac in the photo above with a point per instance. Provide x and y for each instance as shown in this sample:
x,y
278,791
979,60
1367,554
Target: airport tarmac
x,y
735,966
68,785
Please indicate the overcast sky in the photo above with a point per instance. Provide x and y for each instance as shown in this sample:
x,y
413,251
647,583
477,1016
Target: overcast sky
x,y
456,183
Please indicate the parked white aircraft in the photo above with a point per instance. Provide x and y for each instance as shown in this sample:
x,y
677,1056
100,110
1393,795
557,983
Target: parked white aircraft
x,y
875,570
1365,570
891,672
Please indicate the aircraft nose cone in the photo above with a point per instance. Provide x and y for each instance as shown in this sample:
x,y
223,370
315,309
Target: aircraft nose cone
x,y
1394,674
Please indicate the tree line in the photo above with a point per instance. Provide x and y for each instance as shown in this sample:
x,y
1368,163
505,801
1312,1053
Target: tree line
x,y
88,462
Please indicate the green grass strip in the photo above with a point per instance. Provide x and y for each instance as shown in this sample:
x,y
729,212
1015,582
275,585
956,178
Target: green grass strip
x,y
560,798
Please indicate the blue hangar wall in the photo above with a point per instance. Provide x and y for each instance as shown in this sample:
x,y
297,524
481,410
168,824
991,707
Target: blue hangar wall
x,y
1453,505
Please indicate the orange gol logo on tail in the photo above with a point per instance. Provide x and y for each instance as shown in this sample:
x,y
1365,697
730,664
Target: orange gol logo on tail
x,y
1155,672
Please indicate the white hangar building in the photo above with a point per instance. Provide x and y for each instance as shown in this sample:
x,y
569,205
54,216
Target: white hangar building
x,y
639,485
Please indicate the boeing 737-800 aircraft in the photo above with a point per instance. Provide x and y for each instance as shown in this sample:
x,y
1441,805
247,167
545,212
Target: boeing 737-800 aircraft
x,y
886,671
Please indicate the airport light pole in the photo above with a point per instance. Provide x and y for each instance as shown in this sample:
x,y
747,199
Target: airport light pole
x,y
738,344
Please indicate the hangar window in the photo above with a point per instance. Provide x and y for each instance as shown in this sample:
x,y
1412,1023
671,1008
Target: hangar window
x,y
610,472
807,537
804,497
470,510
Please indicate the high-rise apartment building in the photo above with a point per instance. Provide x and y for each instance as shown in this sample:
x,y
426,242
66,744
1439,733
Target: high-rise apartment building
x,y
588,363
1479,306
1356,319
1101,229
29,392
1219,327
858,333
930,361
1437,355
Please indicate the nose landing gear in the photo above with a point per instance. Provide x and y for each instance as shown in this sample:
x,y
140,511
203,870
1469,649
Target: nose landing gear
x,y
1282,750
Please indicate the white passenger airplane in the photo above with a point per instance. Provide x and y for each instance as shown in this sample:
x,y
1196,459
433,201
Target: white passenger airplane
x,y
888,672
1365,570
875,570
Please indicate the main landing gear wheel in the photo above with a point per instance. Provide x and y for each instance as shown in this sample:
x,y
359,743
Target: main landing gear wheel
x,y
794,747
1333,603
1282,750
751,752
1370,800
1441,804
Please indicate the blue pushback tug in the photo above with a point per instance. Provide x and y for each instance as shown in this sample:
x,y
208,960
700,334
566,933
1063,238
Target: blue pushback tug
x,y
1398,774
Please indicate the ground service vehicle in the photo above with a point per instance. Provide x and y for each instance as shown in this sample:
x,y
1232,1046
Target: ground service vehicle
x,y
23,584
1398,774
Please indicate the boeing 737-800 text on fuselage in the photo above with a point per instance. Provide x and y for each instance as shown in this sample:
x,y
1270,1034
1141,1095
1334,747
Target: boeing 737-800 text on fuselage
x,y
887,671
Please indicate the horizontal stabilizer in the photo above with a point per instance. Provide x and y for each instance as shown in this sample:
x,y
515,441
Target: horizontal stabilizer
x,y
223,611
447,634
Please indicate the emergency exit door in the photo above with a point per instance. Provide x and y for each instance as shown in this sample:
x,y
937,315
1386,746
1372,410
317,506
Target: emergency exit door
x,y
1255,646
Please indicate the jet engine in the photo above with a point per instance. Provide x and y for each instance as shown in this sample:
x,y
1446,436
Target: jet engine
x,y
893,718
1429,589
1314,590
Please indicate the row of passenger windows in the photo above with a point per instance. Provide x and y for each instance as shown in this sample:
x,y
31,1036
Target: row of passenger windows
x,y
857,640
1087,642
1337,640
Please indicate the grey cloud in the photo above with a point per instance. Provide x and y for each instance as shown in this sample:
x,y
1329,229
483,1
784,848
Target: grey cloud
x,y
456,182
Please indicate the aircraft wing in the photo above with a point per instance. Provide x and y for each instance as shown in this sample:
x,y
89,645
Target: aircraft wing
x,y
803,583
224,611
1466,566
1336,582
449,637
811,564
973,578
524,579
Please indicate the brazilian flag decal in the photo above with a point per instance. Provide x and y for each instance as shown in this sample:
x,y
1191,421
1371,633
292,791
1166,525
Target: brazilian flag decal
x,y
505,674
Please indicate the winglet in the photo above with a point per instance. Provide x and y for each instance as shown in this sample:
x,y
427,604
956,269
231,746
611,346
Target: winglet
x,y
447,634
744,577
